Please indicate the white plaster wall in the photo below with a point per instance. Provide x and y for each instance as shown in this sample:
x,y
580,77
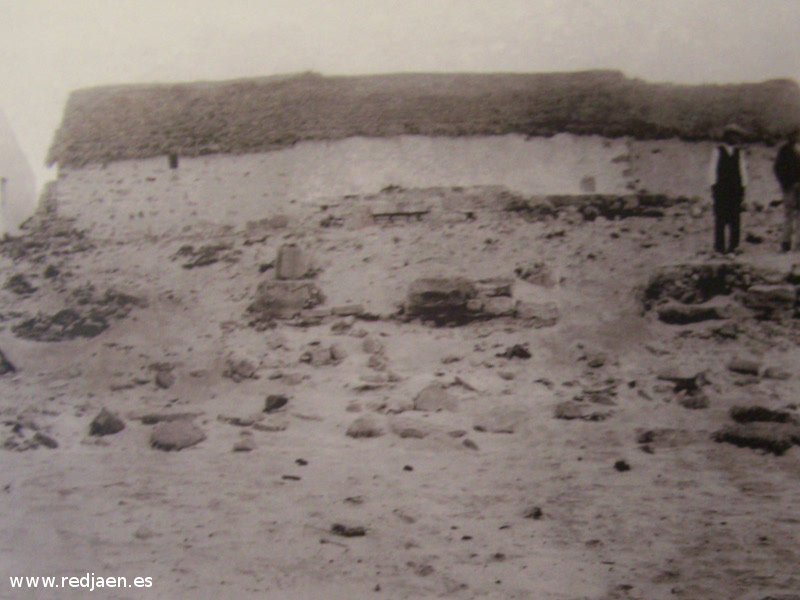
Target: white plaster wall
x,y
131,198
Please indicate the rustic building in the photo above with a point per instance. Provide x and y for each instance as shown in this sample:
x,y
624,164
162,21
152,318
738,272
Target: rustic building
x,y
154,159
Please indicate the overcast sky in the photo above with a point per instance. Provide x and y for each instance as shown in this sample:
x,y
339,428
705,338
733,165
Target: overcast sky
x,y
50,47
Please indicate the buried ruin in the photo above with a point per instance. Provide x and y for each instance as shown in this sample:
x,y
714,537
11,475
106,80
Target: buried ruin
x,y
427,358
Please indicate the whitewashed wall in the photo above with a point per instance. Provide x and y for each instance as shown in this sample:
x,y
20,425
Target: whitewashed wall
x,y
132,198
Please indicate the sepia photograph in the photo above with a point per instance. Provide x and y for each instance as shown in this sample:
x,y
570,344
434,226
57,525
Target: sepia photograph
x,y
355,299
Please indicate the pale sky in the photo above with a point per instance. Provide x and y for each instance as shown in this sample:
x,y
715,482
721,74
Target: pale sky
x,y
51,47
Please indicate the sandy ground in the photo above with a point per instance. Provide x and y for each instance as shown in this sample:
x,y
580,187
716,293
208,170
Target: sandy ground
x,y
691,518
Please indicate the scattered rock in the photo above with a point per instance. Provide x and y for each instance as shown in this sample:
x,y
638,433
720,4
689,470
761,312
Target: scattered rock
x,y
728,331
365,426
338,354
282,299
536,273
165,379
498,307
246,444
694,401
176,435
19,284
153,418
409,428
771,437
239,368
106,423
144,533
538,314
372,345
5,365
241,421
348,310
290,263
273,423
776,373
744,366
500,420
751,414
675,313
42,439
571,409
275,402
435,398
622,466
595,360
771,302
469,444
348,530
684,383
516,351
207,255
496,287
442,300
534,513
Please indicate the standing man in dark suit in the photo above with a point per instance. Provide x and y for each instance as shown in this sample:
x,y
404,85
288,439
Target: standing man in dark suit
x,y
787,170
728,179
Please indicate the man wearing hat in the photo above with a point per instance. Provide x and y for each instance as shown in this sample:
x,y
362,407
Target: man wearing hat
x,y
787,170
728,179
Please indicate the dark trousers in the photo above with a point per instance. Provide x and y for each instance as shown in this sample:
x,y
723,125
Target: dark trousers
x,y
727,214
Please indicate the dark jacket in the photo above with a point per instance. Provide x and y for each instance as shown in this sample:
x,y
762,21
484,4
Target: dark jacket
x,y
787,166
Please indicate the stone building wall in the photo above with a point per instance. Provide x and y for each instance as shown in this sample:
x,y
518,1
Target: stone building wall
x,y
147,197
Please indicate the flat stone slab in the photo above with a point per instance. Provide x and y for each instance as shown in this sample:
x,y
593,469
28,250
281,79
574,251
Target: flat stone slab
x,y
176,435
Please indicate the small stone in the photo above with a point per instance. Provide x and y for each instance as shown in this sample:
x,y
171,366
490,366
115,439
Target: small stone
x,y
338,354
744,366
348,530
516,351
275,402
435,398
5,365
143,533
777,373
42,439
469,444
500,420
165,379
347,310
595,360
176,435
407,428
571,409
365,426
106,423
353,407
377,363
534,513
622,466
372,345
246,444
696,401
506,375
273,423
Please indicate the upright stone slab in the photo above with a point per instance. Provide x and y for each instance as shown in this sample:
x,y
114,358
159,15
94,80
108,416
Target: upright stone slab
x,y
290,263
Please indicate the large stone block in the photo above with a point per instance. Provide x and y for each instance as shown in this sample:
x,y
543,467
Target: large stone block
x,y
538,314
442,299
290,263
284,299
774,302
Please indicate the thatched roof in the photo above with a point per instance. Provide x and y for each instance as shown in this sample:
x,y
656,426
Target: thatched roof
x,y
251,115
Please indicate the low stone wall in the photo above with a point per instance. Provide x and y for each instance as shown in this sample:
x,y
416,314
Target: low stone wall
x,y
148,197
